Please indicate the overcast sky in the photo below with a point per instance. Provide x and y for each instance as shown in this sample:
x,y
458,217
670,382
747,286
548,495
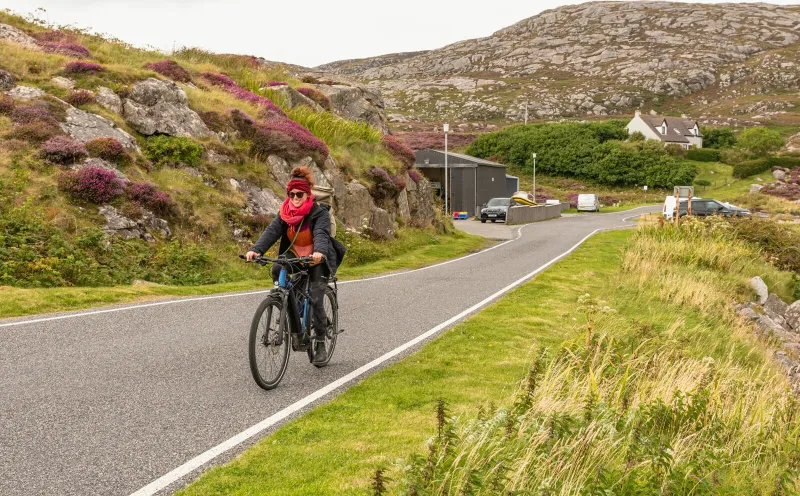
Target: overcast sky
x,y
305,32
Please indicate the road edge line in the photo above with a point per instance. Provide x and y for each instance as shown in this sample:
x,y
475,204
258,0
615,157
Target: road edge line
x,y
198,461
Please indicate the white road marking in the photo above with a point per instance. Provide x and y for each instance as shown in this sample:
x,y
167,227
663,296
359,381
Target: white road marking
x,y
246,293
205,457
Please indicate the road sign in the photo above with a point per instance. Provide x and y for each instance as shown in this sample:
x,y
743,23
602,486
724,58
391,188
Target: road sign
x,y
684,191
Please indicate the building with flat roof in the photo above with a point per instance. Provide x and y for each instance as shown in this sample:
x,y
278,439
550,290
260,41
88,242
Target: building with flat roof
x,y
473,181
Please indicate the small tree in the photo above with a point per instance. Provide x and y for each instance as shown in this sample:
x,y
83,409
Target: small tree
x,y
636,136
760,140
719,137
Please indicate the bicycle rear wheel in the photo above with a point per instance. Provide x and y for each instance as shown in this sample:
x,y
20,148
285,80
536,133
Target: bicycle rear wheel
x,y
332,314
269,343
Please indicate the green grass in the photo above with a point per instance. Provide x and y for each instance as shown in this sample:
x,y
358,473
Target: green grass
x,y
723,185
411,250
386,418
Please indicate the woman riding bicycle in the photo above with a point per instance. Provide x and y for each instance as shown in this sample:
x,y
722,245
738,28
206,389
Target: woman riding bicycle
x,y
304,229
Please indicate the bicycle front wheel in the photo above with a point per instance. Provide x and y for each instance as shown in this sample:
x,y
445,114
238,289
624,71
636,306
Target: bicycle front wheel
x,y
269,343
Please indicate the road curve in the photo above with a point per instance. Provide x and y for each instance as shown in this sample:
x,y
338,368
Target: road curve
x,y
107,403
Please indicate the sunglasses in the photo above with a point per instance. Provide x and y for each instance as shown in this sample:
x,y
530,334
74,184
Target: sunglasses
x,y
297,194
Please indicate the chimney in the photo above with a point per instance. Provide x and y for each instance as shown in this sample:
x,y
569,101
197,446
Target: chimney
x,y
637,113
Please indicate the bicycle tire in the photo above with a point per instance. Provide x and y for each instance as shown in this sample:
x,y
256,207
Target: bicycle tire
x,y
259,343
332,333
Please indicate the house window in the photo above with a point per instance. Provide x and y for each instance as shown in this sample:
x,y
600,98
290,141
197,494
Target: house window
x,y
664,129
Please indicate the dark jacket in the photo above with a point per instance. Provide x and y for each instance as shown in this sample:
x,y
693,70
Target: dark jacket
x,y
320,228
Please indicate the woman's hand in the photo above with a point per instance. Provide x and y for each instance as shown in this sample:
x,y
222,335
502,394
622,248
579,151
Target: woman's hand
x,y
251,255
317,256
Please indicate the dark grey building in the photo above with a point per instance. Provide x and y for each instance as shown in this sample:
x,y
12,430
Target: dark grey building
x,y
512,185
473,181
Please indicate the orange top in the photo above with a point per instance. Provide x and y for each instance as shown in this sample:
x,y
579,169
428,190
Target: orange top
x,y
304,243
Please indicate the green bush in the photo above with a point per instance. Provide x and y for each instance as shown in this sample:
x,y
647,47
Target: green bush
x,y
780,246
750,168
788,161
593,151
703,155
760,140
703,182
168,150
720,137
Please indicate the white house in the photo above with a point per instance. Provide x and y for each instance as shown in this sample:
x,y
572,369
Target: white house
x,y
669,130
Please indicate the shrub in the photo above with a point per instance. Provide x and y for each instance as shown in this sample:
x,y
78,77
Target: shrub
x,y
65,48
147,195
781,246
6,105
319,97
675,150
703,183
62,150
720,137
36,132
272,84
108,149
215,121
170,69
78,67
52,36
703,155
230,86
399,150
789,191
760,140
750,168
732,156
91,184
286,137
414,175
168,150
787,161
384,185
77,98
636,136
33,113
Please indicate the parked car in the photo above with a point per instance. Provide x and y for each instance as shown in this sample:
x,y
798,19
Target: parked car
x,y
702,207
588,202
496,209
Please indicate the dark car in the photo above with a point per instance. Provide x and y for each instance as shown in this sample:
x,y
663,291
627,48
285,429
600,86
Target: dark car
x,y
496,209
704,207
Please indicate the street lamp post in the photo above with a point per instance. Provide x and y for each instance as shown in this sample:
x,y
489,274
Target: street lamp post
x,y
534,177
446,172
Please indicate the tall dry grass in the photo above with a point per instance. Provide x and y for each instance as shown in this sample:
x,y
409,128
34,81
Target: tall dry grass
x,y
662,391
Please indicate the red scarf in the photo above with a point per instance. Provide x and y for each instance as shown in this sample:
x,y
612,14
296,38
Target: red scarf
x,y
294,216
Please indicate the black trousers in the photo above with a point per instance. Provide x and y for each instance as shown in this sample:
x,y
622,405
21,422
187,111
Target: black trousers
x,y
319,281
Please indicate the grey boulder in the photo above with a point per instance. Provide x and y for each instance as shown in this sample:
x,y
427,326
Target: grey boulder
x,y
84,126
792,316
7,80
108,99
761,289
156,106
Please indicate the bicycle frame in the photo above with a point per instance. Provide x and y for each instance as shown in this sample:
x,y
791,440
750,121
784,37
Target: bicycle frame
x,y
291,296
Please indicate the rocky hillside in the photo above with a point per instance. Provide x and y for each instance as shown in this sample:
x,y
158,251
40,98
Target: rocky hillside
x,y
119,164
717,61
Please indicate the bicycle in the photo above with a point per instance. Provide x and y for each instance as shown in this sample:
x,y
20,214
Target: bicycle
x,y
285,316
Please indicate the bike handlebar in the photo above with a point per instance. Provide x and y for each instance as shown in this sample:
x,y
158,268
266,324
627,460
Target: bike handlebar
x,y
280,260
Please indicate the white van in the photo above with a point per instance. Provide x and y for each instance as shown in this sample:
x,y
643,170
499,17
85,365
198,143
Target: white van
x,y
588,203
669,206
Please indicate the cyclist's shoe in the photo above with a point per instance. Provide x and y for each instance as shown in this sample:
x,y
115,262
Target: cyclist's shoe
x,y
320,354
299,344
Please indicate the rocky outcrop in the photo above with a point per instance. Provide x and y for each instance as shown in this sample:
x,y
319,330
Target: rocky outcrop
x,y
63,82
116,224
775,320
108,99
281,169
357,103
595,58
259,201
14,35
7,80
155,106
291,97
84,126
25,93
420,201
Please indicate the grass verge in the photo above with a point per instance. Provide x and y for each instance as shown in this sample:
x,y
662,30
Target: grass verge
x,y
380,422
411,250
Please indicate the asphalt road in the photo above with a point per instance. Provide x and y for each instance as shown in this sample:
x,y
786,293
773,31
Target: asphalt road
x,y
106,403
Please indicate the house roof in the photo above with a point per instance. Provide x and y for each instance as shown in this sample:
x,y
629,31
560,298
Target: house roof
x,y
453,159
677,129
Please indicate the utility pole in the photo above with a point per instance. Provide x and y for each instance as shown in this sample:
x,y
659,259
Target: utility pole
x,y
526,113
446,172
534,177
